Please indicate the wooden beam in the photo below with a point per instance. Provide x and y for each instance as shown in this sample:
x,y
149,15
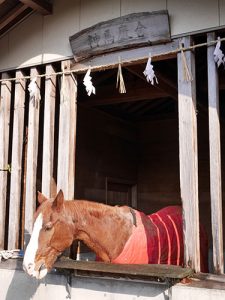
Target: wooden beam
x,y
215,159
167,84
32,153
188,158
139,106
12,15
146,93
128,57
151,106
41,6
168,88
49,129
16,169
67,133
5,104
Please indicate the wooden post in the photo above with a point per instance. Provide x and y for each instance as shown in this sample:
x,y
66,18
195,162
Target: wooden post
x,y
67,133
215,159
49,129
188,157
5,103
16,169
32,152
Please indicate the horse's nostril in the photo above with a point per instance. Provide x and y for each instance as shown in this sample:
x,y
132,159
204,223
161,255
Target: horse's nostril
x,y
28,267
43,267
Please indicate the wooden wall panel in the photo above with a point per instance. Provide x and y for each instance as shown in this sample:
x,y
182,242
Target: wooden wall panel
x,y
5,104
67,133
158,165
130,6
222,12
215,159
49,131
29,51
32,154
186,16
188,154
57,28
4,53
106,147
16,170
93,12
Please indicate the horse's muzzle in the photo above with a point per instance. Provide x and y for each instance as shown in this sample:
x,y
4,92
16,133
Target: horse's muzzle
x,y
33,270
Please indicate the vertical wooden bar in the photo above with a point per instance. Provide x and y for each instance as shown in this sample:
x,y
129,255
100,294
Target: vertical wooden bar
x,y
16,170
49,129
32,152
215,159
188,158
67,133
5,103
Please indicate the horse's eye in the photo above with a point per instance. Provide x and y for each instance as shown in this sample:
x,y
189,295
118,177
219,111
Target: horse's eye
x,y
47,226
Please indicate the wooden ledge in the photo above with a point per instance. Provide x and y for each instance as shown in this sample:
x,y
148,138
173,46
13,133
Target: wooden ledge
x,y
149,272
162,272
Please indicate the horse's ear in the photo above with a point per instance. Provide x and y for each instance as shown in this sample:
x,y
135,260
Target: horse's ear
x,y
58,202
41,198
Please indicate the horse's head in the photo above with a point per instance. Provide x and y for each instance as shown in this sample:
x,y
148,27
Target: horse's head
x,y
52,234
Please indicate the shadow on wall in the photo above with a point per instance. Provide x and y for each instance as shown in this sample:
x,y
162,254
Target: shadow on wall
x,y
16,284
102,288
21,287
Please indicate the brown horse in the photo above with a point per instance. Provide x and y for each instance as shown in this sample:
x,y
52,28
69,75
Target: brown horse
x,y
115,234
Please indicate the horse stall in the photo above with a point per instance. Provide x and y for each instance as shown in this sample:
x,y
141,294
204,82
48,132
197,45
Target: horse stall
x,y
123,106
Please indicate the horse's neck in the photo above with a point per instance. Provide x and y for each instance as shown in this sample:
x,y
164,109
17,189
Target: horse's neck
x,y
103,228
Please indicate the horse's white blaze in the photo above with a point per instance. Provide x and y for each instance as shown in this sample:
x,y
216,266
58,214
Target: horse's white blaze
x,y
29,257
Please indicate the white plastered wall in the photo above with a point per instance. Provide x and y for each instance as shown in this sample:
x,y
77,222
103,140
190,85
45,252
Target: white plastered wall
x,y
41,39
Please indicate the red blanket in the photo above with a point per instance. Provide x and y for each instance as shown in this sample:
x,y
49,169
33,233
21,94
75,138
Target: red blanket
x,y
158,239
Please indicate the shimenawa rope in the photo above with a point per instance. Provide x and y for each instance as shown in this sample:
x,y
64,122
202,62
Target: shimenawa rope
x,y
68,72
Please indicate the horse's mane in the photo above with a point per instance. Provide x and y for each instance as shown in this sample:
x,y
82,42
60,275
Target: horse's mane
x,y
92,208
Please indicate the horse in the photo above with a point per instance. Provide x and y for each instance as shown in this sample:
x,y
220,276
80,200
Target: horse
x,y
117,234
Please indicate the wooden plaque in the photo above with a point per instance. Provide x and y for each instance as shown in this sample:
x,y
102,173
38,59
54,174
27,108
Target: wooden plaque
x,y
137,29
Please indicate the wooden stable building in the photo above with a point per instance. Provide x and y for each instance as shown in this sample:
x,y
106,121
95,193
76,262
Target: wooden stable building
x,y
150,147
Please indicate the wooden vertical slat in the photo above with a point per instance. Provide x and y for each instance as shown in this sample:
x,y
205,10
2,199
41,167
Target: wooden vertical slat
x,y
49,129
215,159
67,133
16,169
5,103
188,158
32,152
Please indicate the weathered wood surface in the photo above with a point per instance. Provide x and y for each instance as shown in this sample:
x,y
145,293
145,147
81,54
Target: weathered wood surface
x,y
5,104
188,158
160,271
49,129
215,159
43,7
137,29
17,12
128,57
16,169
32,152
67,133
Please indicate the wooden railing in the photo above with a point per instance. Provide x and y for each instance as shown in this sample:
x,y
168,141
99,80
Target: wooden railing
x,y
27,140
